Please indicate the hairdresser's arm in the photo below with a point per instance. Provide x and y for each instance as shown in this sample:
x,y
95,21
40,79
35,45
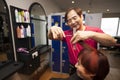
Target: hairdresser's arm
x,y
102,38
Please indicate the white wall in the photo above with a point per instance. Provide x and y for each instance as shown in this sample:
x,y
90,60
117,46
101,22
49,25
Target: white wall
x,y
93,19
48,5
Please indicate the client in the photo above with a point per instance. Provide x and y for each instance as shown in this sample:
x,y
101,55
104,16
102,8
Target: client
x,y
91,65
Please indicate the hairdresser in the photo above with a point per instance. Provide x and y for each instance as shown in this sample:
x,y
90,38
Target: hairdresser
x,y
80,32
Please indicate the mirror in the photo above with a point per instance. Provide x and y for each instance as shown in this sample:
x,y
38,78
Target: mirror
x,y
6,48
39,25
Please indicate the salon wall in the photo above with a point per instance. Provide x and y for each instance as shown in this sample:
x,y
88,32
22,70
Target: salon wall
x,y
93,19
48,5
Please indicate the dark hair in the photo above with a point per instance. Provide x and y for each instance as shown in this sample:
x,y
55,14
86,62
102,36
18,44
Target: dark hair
x,y
76,9
103,68
94,62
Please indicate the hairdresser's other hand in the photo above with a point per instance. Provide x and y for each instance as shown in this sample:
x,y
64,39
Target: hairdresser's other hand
x,y
81,35
57,33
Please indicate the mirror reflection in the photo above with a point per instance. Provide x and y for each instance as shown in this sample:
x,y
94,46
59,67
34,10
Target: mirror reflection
x,y
38,21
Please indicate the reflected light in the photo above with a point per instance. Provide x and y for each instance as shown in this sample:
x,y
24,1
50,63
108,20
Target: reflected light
x,y
107,10
88,10
73,2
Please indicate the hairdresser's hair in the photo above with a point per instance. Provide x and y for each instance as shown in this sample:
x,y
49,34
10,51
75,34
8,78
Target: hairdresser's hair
x,y
94,62
76,9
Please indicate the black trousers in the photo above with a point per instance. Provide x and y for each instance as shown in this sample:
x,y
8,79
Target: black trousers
x,y
72,69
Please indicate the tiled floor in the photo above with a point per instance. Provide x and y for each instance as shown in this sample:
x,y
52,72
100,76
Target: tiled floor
x,y
114,60
114,74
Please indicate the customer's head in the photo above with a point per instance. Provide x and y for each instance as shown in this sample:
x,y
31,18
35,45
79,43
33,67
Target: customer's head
x,y
74,17
92,64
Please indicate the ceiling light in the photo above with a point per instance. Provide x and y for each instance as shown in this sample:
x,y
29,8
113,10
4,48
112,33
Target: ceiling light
x,y
107,10
73,2
88,10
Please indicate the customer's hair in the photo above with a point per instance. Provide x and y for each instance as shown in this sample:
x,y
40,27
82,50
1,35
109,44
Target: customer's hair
x,y
76,9
94,62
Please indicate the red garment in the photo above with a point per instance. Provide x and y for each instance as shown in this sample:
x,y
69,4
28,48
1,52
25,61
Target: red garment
x,y
75,49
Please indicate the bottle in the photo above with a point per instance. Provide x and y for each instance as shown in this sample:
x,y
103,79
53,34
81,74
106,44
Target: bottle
x,y
19,14
18,32
27,17
28,31
16,15
22,16
22,31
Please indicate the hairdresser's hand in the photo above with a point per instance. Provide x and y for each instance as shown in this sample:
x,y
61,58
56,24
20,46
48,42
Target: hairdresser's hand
x,y
81,35
56,33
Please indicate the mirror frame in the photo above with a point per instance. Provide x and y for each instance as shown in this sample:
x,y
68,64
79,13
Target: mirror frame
x,y
7,14
30,8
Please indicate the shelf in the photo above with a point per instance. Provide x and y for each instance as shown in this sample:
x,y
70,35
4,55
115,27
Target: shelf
x,y
21,27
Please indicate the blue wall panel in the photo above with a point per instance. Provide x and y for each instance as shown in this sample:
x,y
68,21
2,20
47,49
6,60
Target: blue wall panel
x,y
59,65
56,47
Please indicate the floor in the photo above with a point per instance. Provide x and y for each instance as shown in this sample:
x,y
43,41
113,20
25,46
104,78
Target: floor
x,y
114,60
114,73
3,56
49,74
